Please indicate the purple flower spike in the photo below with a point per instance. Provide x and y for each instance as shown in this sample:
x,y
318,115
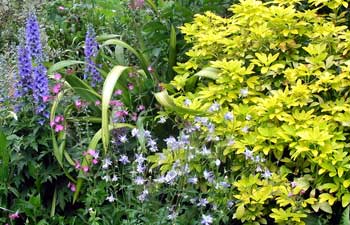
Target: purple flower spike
x,y
40,88
33,42
90,51
24,83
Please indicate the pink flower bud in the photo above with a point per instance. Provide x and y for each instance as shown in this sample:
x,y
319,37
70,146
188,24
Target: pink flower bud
x,y
91,152
150,69
85,169
61,8
118,92
57,76
56,88
116,103
59,118
140,108
69,71
59,128
134,117
130,86
78,103
46,98
14,216
94,161
77,165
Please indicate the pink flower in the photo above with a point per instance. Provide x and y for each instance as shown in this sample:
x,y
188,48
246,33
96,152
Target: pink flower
x,y
59,118
130,86
118,92
134,117
91,152
85,169
71,186
61,8
140,108
94,161
14,216
59,127
116,103
56,88
136,4
69,71
57,76
52,123
131,75
77,165
150,69
78,103
97,103
121,113
46,98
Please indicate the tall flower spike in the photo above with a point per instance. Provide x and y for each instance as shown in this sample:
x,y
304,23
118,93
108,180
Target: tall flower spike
x,y
33,42
40,89
24,78
90,51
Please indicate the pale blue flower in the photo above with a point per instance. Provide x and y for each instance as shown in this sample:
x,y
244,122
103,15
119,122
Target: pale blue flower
x,y
207,219
192,180
106,163
229,116
202,202
214,107
111,198
124,159
244,92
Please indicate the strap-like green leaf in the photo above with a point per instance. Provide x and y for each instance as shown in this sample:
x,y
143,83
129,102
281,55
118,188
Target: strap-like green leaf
x,y
84,90
107,91
105,37
208,72
165,100
143,61
172,53
63,64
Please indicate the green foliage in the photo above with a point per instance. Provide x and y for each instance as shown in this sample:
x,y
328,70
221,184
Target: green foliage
x,y
283,74
345,219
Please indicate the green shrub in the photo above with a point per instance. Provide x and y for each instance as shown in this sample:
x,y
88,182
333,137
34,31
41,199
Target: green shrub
x,y
275,85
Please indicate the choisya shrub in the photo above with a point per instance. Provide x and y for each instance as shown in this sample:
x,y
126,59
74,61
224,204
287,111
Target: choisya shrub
x,y
273,87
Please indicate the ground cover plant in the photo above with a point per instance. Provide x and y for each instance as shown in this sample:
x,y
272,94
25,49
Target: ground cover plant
x,y
140,115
